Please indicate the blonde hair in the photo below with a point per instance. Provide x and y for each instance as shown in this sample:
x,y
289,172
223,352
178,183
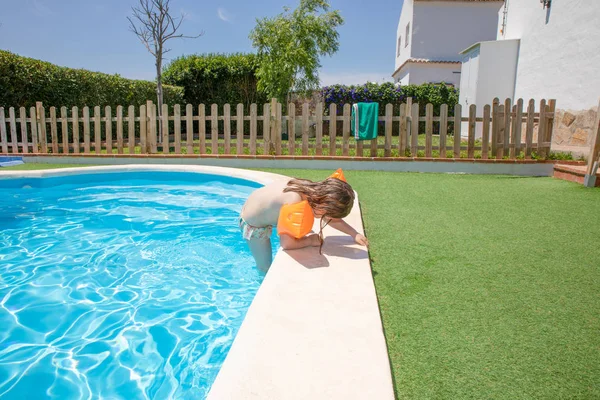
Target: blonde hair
x,y
333,197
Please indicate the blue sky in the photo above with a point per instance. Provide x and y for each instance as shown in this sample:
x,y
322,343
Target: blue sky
x,y
93,34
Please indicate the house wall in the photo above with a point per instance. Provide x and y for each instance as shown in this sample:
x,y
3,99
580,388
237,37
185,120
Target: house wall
x,y
434,73
406,16
559,55
442,29
416,74
403,77
497,67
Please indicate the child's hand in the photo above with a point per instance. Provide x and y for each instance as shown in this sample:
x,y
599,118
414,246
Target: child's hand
x,y
315,240
360,239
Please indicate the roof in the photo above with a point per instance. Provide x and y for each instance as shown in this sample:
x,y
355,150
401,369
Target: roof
x,y
424,61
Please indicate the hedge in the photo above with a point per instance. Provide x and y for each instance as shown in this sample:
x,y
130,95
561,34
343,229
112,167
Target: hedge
x,y
23,81
216,78
436,94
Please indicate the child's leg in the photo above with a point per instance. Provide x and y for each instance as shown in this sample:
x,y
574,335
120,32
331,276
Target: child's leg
x,y
262,253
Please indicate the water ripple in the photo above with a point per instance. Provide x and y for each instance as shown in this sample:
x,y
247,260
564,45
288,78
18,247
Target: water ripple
x,y
128,289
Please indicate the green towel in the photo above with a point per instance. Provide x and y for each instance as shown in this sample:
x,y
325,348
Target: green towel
x,y
366,117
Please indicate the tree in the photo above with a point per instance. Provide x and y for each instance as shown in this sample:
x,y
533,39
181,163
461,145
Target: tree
x,y
290,45
155,26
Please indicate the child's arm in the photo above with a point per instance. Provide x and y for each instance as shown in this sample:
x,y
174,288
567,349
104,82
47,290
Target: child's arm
x,y
342,226
291,243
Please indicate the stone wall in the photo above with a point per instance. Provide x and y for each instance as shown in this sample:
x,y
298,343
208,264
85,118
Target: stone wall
x,y
574,128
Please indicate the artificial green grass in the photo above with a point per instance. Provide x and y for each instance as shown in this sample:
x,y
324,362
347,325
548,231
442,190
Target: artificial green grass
x,y
488,285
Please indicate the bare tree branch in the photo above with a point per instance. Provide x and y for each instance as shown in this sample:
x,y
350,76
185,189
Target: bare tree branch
x,y
153,24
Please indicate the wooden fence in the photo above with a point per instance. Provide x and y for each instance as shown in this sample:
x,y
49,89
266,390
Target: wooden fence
x,y
507,130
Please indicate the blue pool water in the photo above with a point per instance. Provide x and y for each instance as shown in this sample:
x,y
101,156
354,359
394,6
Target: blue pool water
x,y
120,286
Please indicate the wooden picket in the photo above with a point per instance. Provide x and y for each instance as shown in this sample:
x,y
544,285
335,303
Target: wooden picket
x,y
485,134
332,129
23,123
428,129
506,130
443,129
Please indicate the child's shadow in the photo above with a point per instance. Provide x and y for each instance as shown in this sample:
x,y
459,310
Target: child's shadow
x,y
334,246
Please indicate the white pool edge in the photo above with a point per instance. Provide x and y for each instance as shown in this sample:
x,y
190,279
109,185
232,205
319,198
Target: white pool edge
x,y
313,330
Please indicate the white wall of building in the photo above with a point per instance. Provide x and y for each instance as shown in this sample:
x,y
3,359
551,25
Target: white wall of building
x,y
559,55
434,73
406,16
488,71
403,77
418,73
442,29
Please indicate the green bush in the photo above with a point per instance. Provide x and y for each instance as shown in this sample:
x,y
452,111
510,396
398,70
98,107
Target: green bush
x,y
23,81
216,78
436,94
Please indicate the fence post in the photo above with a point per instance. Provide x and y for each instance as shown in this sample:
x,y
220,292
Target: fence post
x,y
143,129
414,130
332,129
164,122
177,127
542,125
495,126
75,115
41,121
485,135
443,129
3,136
457,129
594,156
428,129
471,137
550,127
189,129
518,127
131,129
23,117
274,140
266,129
239,132
291,129
149,121
319,129
214,129
108,130
64,129
389,111
346,130
507,126
305,128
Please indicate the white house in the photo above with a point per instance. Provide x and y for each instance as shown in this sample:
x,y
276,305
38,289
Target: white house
x,y
431,33
544,49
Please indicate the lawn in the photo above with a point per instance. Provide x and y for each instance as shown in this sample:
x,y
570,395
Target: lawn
x,y
488,285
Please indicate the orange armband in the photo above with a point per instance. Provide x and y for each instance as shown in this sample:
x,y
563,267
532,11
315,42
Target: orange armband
x,y
295,219
339,174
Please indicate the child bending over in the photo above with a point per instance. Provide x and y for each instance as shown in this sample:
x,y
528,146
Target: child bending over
x,y
330,200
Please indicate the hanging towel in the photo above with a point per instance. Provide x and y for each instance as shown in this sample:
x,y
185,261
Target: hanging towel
x,y
365,117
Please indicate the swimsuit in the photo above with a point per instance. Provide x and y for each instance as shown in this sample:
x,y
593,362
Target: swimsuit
x,y
254,232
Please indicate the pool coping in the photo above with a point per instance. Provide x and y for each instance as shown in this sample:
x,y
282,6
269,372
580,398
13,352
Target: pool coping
x,y
313,330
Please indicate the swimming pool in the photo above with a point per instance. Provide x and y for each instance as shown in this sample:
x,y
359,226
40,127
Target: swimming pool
x,y
120,285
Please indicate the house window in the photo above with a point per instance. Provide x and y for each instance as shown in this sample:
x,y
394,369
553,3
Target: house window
x,y
407,34
399,46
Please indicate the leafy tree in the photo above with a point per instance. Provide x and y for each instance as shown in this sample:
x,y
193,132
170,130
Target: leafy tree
x,y
290,45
